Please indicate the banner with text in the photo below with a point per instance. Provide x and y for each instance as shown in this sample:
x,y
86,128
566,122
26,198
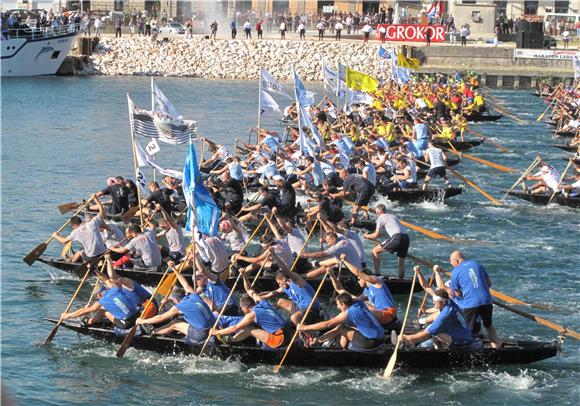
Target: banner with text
x,y
411,33
560,54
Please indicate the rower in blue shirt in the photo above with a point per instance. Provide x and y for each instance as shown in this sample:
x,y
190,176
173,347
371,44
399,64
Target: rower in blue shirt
x,y
198,317
215,292
357,327
375,290
261,321
299,293
449,330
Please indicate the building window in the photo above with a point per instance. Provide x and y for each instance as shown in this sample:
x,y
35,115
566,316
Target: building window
x,y
118,6
561,7
468,2
501,8
531,7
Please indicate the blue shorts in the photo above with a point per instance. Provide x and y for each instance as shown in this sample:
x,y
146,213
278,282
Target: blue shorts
x,y
196,335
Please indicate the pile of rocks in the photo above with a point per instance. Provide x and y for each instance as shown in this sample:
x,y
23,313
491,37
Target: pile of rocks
x,y
228,59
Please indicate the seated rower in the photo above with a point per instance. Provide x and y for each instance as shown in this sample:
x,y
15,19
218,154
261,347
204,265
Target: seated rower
x,y
449,330
113,304
143,247
173,233
336,248
375,290
275,252
300,294
548,180
214,291
268,200
356,326
198,317
404,178
260,321
87,234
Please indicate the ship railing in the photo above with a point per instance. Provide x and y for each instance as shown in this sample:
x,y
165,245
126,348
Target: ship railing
x,y
41,32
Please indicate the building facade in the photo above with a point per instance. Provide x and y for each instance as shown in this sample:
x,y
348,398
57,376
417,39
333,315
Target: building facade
x,y
508,8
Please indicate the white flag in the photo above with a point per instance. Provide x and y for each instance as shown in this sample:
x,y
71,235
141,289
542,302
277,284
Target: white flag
x,y
267,102
153,147
161,102
144,160
358,97
268,83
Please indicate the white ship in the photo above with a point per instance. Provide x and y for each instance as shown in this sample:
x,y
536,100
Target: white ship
x,y
34,52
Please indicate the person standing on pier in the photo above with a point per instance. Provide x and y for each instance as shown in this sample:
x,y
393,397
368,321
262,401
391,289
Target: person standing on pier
x,y
213,27
248,29
118,25
234,29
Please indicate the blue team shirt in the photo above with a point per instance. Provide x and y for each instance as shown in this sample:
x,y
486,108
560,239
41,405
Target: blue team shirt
x,y
360,317
138,295
218,292
301,296
195,312
228,321
267,318
118,304
381,298
452,321
470,278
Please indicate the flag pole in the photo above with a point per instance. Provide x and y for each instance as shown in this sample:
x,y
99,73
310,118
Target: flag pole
x,y
259,110
323,81
337,85
153,110
135,161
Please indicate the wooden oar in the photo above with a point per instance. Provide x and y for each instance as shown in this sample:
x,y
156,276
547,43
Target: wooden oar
x,y
289,347
506,113
429,233
530,168
260,270
66,207
483,138
499,167
540,320
39,250
57,325
126,217
475,186
561,179
129,338
424,301
541,116
392,362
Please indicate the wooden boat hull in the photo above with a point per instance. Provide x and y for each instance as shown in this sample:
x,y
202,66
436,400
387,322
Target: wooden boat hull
x,y
565,147
150,277
417,195
517,352
566,134
460,145
483,118
543,198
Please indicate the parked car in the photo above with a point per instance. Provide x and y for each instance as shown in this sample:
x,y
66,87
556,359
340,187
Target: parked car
x,y
172,27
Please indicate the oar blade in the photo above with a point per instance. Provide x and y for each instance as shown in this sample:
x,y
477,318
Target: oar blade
x,y
391,365
52,333
65,208
35,254
127,342
167,285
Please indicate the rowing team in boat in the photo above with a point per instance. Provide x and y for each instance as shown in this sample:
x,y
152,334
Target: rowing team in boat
x,y
549,180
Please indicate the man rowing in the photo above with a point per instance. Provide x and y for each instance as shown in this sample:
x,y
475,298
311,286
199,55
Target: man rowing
x,y
143,248
449,330
355,326
336,247
437,160
397,241
361,188
197,316
261,321
548,180
87,234
375,290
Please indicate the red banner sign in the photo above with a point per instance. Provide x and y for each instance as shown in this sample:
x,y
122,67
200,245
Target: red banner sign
x,y
411,33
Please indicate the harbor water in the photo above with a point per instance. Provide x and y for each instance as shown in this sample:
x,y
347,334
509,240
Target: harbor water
x,y
63,137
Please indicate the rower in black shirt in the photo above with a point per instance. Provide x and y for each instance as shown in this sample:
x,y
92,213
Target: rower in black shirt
x,y
231,192
119,196
267,199
358,186
159,195
286,196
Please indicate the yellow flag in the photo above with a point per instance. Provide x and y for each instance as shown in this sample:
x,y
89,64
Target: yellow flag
x,y
360,81
409,63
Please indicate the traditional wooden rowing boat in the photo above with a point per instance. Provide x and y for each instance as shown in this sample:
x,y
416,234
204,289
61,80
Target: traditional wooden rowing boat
x,y
151,277
543,198
416,195
565,147
460,145
477,118
511,352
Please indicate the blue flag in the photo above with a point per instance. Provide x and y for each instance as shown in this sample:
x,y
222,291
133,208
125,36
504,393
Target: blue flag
x,y
383,53
202,211
300,91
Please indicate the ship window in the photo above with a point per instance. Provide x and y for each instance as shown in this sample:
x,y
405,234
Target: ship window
x,y
55,55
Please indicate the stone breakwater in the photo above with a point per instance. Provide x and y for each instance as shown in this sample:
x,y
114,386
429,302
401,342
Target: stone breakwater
x,y
228,59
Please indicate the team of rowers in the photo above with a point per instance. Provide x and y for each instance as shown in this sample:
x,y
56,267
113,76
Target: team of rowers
x,y
383,142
